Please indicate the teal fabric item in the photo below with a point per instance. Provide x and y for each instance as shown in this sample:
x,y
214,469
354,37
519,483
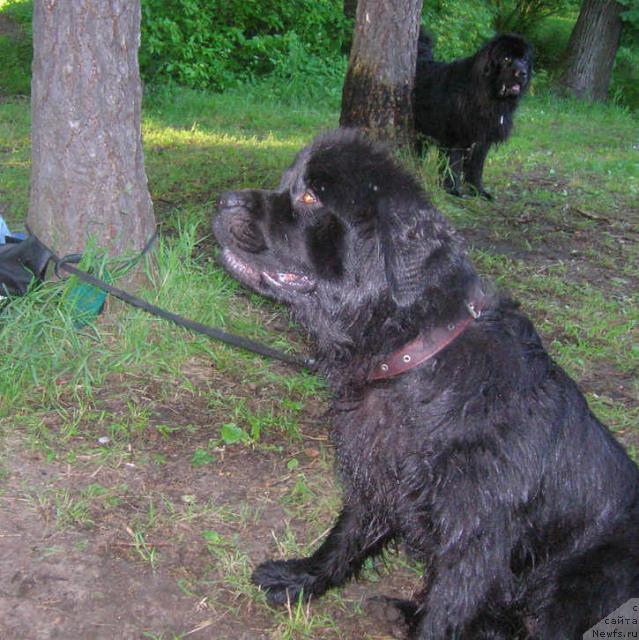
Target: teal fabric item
x,y
84,301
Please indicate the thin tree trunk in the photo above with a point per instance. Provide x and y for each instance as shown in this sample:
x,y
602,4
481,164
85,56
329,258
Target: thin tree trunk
x,y
88,177
378,88
591,50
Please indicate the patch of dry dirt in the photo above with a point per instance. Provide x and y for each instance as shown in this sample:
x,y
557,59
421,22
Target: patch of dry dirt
x,y
84,579
59,585
545,234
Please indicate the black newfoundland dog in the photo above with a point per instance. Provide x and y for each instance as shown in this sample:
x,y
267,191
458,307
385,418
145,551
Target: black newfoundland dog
x,y
456,434
467,105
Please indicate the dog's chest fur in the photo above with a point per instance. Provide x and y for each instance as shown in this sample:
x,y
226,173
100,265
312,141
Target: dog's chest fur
x,y
379,440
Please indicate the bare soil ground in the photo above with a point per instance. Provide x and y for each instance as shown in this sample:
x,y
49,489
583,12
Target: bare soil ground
x,y
70,569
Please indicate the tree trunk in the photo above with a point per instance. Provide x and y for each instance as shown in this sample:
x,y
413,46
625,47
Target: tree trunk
x,y
87,177
378,88
591,50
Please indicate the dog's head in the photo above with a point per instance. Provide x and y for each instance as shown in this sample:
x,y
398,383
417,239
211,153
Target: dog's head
x,y
507,61
348,240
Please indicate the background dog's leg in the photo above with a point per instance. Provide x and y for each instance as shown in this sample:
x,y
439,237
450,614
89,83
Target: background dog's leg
x,y
355,536
474,168
452,173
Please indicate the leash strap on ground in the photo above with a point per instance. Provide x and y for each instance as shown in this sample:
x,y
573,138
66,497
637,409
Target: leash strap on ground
x,y
216,334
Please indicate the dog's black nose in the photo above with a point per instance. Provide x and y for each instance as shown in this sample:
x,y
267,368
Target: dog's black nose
x,y
521,74
231,200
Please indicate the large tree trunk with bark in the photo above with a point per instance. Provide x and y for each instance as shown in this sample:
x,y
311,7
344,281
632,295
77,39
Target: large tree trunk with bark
x,y
591,50
378,88
88,177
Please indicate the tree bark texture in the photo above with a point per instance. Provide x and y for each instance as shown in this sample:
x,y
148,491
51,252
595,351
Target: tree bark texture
x,y
591,50
377,93
87,177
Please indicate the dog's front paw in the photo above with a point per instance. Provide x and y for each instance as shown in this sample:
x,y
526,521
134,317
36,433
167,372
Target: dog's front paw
x,y
284,581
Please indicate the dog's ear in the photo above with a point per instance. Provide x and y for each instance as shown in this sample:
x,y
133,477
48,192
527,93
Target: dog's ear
x,y
411,235
488,61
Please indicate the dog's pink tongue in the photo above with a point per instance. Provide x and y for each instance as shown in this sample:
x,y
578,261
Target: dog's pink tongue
x,y
515,89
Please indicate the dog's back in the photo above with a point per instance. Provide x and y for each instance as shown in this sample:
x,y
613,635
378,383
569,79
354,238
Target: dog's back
x,y
442,94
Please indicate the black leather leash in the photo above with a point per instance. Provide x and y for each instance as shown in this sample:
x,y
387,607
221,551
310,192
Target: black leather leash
x,y
216,334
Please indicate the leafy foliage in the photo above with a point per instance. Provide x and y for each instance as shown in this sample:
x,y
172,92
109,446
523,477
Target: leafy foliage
x,y
625,79
630,15
220,43
16,60
15,48
550,38
19,10
460,28
522,15
294,51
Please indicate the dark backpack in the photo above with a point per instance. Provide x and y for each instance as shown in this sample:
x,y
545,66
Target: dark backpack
x,y
21,262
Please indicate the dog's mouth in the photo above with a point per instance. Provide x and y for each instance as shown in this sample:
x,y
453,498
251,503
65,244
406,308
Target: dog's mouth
x,y
257,279
512,90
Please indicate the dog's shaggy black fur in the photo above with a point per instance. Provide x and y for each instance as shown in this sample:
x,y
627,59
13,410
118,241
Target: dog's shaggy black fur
x,y
484,462
467,106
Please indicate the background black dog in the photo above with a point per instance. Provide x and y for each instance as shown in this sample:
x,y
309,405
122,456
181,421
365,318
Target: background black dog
x,y
467,105
483,460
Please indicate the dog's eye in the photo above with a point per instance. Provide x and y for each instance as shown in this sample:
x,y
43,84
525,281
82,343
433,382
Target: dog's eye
x,y
308,198
507,60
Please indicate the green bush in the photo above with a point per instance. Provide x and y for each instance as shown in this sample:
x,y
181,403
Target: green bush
x,y
294,50
522,16
21,11
550,39
15,77
624,88
459,28
220,43
15,47
303,79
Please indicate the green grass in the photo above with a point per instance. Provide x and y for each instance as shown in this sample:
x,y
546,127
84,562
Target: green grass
x,y
162,431
200,144
576,142
15,157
